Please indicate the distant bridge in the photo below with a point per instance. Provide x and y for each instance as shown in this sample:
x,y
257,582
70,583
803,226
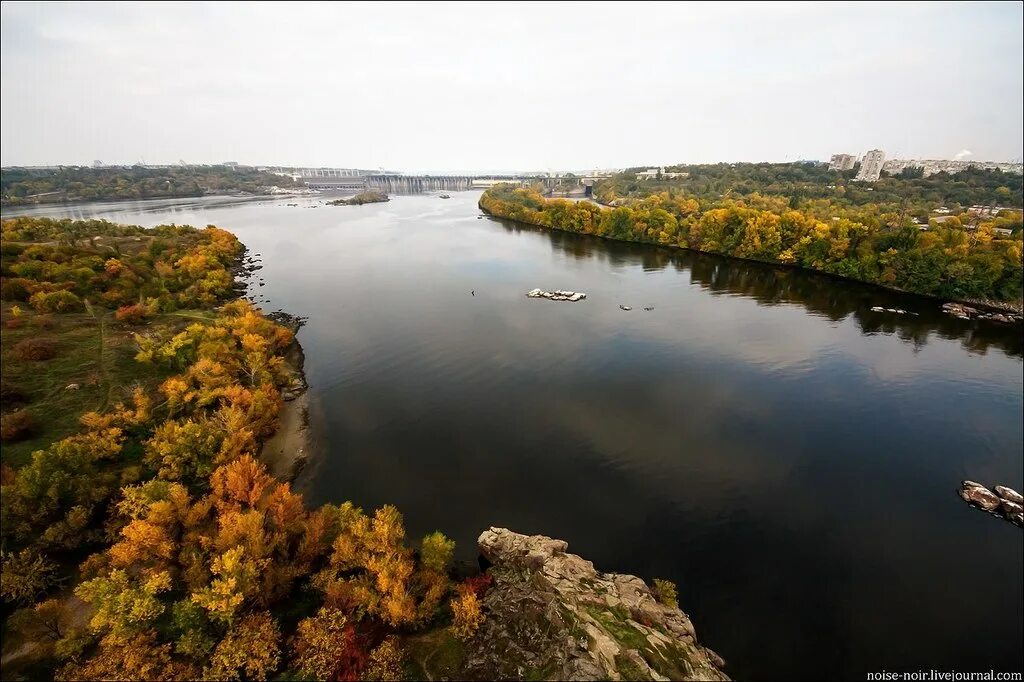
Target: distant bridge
x,y
355,179
394,182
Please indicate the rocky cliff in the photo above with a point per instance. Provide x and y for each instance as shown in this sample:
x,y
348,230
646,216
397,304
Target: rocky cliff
x,y
552,615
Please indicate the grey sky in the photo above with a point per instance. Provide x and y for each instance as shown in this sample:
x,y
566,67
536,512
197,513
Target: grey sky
x,y
480,86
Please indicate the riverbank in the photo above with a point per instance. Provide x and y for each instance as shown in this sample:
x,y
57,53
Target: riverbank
x,y
288,450
550,615
1015,309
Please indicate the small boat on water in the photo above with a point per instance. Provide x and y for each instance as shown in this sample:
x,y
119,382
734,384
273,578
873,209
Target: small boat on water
x,y
446,196
625,307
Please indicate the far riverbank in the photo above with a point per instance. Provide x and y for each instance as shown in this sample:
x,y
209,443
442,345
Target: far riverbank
x,y
1015,309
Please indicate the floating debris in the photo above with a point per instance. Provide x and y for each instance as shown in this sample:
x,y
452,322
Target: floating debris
x,y
648,307
895,311
558,295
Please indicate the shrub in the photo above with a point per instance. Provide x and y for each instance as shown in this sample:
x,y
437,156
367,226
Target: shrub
x,y
480,584
665,592
43,321
56,302
131,314
15,289
386,662
25,576
35,349
15,425
10,249
466,613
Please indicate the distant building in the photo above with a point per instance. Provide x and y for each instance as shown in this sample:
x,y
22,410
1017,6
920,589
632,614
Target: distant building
x,y
951,166
871,166
653,173
842,162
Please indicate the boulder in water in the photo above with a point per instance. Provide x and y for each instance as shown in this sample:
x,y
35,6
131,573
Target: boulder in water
x,y
978,495
1009,494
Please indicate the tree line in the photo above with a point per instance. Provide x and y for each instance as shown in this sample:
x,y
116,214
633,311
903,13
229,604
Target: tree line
x,y
31,186
876,243
803,181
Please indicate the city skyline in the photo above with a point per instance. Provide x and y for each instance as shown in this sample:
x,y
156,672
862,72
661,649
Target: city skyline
x,y
449,88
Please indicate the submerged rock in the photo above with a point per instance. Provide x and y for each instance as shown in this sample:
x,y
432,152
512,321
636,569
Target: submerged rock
x,y
552,615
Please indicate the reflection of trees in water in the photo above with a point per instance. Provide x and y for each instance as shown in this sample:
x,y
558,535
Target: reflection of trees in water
x,y
770,285
837,299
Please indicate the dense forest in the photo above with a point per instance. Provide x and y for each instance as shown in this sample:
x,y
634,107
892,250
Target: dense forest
x,y
74,183
972,256
800,182
150,542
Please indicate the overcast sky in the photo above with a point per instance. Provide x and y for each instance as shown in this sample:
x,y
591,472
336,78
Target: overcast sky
x,y
481,86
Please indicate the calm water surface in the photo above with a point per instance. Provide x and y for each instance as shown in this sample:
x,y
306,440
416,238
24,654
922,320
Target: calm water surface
x,y
785,455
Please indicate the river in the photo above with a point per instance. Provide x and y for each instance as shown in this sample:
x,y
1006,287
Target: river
x,y
760,437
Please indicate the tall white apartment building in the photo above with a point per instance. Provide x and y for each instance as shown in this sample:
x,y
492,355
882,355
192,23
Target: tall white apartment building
x,y
871,166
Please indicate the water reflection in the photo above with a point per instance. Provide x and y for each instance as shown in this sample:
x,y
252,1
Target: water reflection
x,y
833,298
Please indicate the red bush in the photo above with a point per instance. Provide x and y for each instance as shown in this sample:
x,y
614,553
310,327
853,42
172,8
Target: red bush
x,y
350,658
479,584
131,314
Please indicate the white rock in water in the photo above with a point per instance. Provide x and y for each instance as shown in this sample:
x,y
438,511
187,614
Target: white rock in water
x,y
558,295
877,309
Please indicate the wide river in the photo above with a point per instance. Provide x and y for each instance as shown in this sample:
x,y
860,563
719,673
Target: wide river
x,y
785,455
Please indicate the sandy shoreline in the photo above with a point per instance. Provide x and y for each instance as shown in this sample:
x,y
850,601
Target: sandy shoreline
x,y
285,453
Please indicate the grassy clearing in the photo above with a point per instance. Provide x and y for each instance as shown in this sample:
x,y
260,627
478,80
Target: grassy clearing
x,y
96,353
434,655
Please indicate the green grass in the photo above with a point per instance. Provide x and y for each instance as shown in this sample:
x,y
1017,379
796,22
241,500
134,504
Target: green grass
x,y
97,353
434,655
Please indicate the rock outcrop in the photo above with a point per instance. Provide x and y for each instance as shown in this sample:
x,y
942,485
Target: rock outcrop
x,y
966,312
558,295
552,615
1004,502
